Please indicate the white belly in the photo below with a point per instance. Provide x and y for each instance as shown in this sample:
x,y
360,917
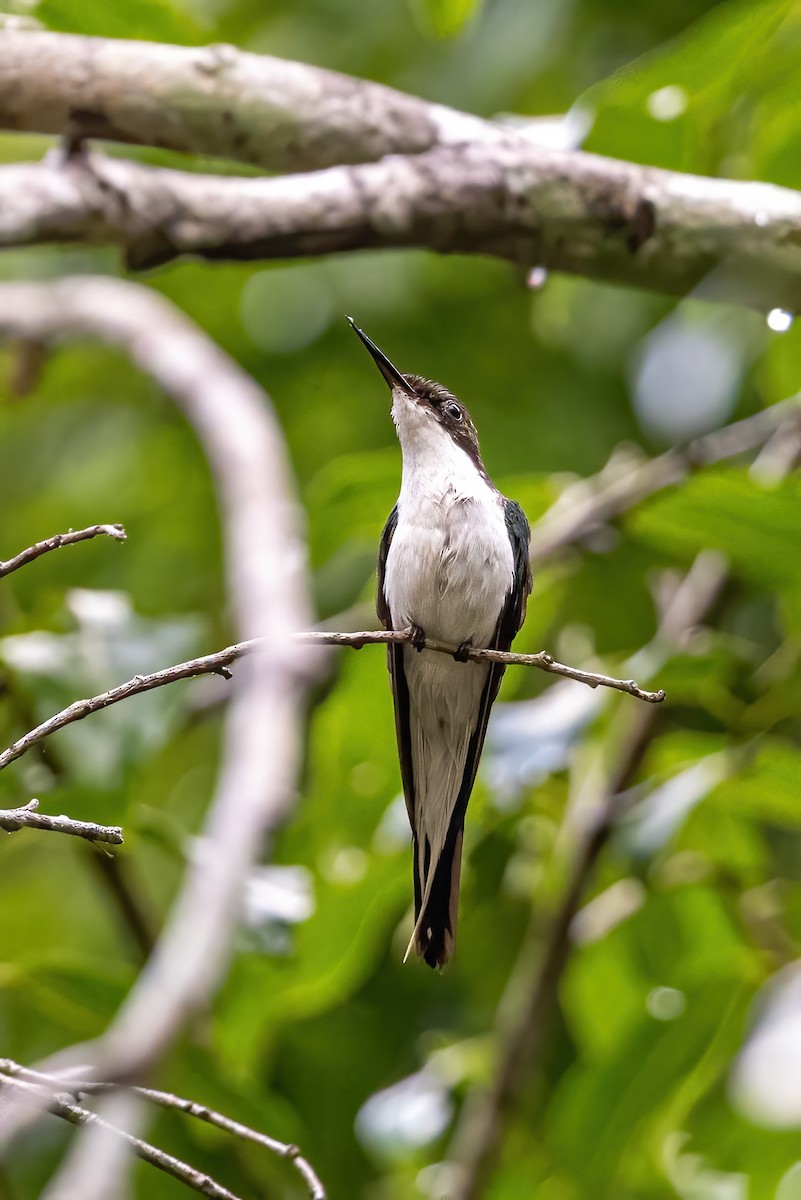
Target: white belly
x,y
450,566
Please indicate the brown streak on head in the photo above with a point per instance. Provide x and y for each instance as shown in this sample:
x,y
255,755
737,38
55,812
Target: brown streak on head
x,y
451,414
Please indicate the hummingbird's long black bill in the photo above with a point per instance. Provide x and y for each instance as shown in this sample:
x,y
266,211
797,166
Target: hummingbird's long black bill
x,y
390,372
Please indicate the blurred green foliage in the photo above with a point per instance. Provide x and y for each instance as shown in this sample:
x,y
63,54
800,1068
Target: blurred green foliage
x,y
317,1014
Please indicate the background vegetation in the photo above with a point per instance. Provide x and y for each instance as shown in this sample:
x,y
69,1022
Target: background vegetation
x,y
643,1090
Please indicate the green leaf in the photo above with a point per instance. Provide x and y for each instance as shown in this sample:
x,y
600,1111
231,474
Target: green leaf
x,y
686,105
726,509
156,20
768,788
445,18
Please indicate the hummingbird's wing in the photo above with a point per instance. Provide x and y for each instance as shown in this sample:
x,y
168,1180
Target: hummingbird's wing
x,y
400,690
382,605
514,611
400,695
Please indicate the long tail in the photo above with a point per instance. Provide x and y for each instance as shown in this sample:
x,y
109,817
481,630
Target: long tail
x,y
436,901
443,775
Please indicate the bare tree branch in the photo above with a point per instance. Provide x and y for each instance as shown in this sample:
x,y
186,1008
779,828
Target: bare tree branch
x,y
214,100
26,817
625,481
75,1114
447,181
217,664
265,561
97,1163
201,1112
60,539
568,211
532,993
542,660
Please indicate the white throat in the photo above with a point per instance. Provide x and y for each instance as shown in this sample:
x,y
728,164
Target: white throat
x,y
433,464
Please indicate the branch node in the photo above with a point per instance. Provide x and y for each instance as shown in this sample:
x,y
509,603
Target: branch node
x,y
58,540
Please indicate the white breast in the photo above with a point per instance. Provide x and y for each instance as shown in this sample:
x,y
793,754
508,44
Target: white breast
x,y
450,564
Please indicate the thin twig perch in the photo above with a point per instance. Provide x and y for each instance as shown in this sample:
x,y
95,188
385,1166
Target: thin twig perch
x,y
26,817
217,664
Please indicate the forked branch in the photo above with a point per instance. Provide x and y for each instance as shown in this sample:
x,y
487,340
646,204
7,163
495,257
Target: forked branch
x,y
398,172
60,1105
55,1085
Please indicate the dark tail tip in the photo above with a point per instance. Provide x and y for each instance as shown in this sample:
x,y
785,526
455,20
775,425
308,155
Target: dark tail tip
x,y
435,946
437,934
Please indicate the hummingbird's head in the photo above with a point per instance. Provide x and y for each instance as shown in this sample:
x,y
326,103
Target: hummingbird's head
x,y
423,411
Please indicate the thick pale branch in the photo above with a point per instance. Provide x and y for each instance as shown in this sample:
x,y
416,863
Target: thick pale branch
x,y
58,540
217,664
201,1112
26,817
265,567
75,1114
214,100
572,212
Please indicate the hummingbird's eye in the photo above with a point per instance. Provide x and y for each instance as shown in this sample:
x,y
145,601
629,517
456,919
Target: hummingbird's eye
x,y
454,411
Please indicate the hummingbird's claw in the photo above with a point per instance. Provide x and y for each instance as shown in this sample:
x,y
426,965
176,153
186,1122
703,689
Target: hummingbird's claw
x,y
462,653
418,638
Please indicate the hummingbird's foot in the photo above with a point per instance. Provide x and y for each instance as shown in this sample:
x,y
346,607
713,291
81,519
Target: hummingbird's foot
x,y
418,638
462,653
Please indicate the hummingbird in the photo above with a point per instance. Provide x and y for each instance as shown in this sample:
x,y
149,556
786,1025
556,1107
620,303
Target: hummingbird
x,y
453,565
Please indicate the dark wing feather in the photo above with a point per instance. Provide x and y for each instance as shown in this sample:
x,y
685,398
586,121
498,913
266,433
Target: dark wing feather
x,y
511,618
400,689
514,611
382,608
442,904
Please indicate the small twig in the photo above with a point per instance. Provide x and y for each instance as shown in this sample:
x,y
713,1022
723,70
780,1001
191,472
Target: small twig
x,y
27,363
60,1106
619,487
56,541
283,1149
115,872
26,817
78,1087
542,660
216,664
